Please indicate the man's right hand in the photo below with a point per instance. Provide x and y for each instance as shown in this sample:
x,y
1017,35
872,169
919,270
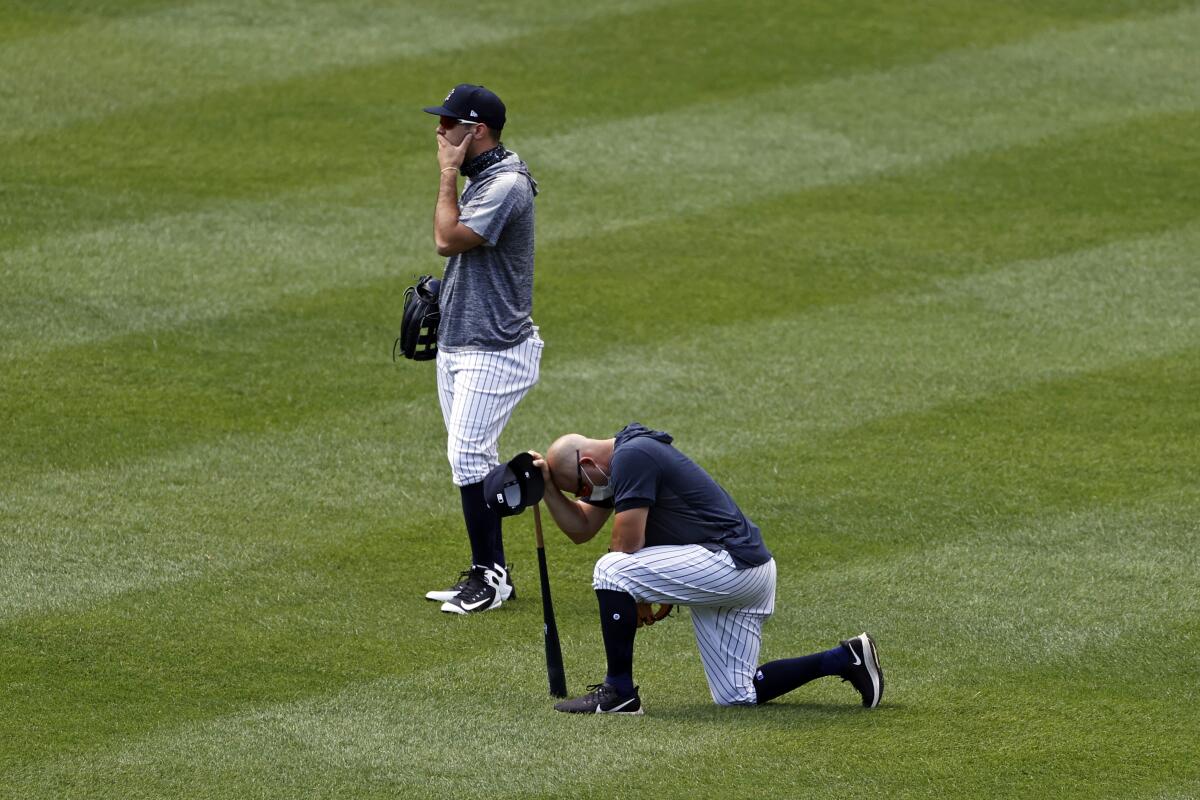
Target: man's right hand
x,y
539,461
451,156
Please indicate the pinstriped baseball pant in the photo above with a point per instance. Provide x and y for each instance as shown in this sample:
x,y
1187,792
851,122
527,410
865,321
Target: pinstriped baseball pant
x,y
728,606
478,391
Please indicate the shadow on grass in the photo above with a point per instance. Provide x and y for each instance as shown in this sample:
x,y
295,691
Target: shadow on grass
x,y
774,712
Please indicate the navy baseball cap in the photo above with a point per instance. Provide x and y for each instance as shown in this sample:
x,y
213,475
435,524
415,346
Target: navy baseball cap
x,y
472,103
511,488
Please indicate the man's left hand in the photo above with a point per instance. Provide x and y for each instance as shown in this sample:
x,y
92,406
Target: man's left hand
x,y
648,614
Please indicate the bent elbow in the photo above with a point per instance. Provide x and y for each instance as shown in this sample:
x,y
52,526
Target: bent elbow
x,y
451,247
580,535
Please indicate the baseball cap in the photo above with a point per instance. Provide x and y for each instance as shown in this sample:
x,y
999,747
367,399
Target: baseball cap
x,y
472,103
511,488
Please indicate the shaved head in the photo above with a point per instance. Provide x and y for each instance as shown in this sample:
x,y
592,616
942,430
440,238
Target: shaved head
x,y
565,454
561,458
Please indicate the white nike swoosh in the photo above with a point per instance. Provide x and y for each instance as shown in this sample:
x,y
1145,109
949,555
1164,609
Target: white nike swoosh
x,y
473,606
857,660
615,708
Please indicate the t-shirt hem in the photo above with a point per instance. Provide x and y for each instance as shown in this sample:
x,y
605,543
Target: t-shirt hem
x,y
484,347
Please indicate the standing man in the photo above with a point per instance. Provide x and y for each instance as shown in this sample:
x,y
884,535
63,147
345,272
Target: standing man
x,y
488,347
678,538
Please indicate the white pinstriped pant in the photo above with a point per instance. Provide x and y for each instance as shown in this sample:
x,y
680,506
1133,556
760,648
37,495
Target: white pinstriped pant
x,y
728,606
478,391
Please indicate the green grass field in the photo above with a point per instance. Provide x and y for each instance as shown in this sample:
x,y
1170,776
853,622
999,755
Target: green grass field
x,y
918,282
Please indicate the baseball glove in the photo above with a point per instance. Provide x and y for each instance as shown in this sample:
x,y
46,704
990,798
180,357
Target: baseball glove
x,y
418,328
648,614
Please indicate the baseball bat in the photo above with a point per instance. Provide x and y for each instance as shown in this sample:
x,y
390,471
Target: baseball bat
x,y
554,659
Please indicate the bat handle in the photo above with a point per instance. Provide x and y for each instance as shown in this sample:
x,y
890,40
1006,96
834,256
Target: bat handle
x,y
537,524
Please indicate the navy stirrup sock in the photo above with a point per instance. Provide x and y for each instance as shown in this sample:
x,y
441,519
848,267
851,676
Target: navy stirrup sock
x,y
780,677
483,527
618,623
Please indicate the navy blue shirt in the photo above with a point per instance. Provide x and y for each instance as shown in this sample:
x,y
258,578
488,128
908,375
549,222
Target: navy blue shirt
x,y
686,505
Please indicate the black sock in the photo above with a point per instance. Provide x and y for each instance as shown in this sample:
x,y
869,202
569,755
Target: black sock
x,y
779,677
483,526
618,623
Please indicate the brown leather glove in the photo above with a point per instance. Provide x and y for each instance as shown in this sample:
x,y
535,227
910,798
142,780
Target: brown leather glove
x,y
650,613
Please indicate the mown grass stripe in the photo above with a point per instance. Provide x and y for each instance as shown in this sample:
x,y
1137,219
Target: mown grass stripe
x,y
260,139
255,244
970,336
72,538
358,733
179,53
954,380
845,129
965,338
1047,591
282,606
168,272
199,48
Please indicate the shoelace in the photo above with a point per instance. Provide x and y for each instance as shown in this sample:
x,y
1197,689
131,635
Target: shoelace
x,y
596,690
476,586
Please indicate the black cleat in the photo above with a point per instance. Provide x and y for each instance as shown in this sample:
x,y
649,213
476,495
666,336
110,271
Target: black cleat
x,y
482,592
602,699
507,591
864,671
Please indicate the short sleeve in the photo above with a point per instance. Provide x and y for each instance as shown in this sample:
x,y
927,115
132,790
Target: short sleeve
x,y
636,476
488,210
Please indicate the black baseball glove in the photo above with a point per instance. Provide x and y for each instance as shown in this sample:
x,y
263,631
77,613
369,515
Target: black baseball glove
x,y
418,329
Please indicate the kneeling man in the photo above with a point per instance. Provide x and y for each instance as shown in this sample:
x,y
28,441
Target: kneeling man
x,y
678,538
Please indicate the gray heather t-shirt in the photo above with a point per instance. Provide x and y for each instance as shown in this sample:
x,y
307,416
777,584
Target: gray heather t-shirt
x,y
487,291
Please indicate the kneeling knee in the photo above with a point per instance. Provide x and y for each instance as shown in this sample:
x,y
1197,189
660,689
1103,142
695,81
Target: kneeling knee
x,y
607,573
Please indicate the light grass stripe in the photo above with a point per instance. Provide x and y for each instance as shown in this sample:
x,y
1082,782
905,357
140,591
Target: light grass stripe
x,y
168,271
1044,591
184,51
56,555
363,736
226,258
834,369
70,539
